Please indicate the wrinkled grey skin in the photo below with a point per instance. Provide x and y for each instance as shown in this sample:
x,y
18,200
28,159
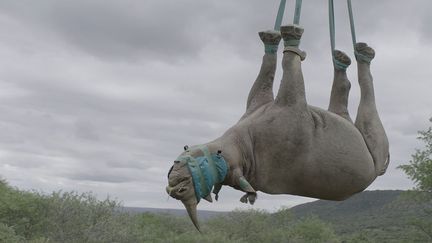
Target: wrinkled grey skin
x,y
283,145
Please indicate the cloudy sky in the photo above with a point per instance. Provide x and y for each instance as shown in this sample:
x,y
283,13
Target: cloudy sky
x,y
102,95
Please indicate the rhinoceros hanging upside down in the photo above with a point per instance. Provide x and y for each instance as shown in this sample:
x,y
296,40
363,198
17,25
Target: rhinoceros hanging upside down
x,y
283,145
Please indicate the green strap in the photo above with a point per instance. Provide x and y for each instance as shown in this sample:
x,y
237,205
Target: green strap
x,y
358,56
271,49
353,32
297,12
195,170
336,63
333,34
281,12
212,164
332,26
280,15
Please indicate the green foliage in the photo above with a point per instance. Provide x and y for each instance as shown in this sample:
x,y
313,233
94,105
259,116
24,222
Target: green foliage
x,y
358,238
419,169
25,212
246,225
83,218
7,234
159,228
312,229
71,217
62,217
260,226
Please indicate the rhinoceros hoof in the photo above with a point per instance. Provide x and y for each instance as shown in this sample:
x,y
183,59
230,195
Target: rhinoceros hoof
x,y
249,197
270,37
364,52
342,57
291,32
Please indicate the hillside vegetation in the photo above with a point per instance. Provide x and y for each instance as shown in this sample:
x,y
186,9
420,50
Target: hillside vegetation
x,y
385,216
71,217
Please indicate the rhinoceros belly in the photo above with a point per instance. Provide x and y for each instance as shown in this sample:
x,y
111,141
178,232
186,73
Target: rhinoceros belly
x,y
314,153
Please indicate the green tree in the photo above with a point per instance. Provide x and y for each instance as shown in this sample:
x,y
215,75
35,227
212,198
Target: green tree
x,y
419,170
312,229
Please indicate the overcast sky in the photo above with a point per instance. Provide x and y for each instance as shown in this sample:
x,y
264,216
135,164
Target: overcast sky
x,y
102,95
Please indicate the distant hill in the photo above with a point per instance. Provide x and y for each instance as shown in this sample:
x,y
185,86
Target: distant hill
x,y
367,203
371,212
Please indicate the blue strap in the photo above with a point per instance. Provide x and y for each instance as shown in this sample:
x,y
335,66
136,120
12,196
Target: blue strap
x,y
206,171
197,176
280,15
332,32
332,26
297,12
212,165
353,32
281,12
358,56
336,63
271,49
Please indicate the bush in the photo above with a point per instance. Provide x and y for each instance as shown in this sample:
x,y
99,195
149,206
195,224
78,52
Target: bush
x,y
63,217
77,217
312,229
7,234
25,212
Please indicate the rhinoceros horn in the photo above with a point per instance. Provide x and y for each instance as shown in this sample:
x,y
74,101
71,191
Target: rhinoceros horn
x,y
191,207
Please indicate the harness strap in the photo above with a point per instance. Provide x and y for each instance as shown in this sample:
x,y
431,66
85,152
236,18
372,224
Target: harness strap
x,y
280,15
206,171
281,12
351,16
212,164
332,31
358,56
297,12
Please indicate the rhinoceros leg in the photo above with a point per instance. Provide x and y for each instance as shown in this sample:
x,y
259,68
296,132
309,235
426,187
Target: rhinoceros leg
x,y
242,184
341,86
262,90
292,90
368,121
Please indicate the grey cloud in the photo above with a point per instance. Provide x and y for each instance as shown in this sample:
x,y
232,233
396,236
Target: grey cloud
x,y
98,176
126,30
85,130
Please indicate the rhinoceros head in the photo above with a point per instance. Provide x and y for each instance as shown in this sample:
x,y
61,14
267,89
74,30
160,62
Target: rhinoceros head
x,y
194,173
181,187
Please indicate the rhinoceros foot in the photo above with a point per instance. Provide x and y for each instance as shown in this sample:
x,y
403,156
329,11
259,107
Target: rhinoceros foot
x,y
249,197
342,57
270,37
364,53
291,35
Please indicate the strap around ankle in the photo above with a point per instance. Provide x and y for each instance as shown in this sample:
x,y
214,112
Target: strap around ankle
x,y
292,42
295,50
270,49
362,58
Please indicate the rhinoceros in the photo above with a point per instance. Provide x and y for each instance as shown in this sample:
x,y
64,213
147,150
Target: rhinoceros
x,y
283,145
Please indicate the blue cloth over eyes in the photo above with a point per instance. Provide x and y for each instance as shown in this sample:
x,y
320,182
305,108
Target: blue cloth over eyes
x,y
206,171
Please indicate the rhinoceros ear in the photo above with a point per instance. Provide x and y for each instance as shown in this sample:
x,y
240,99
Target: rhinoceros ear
x,y
208,198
